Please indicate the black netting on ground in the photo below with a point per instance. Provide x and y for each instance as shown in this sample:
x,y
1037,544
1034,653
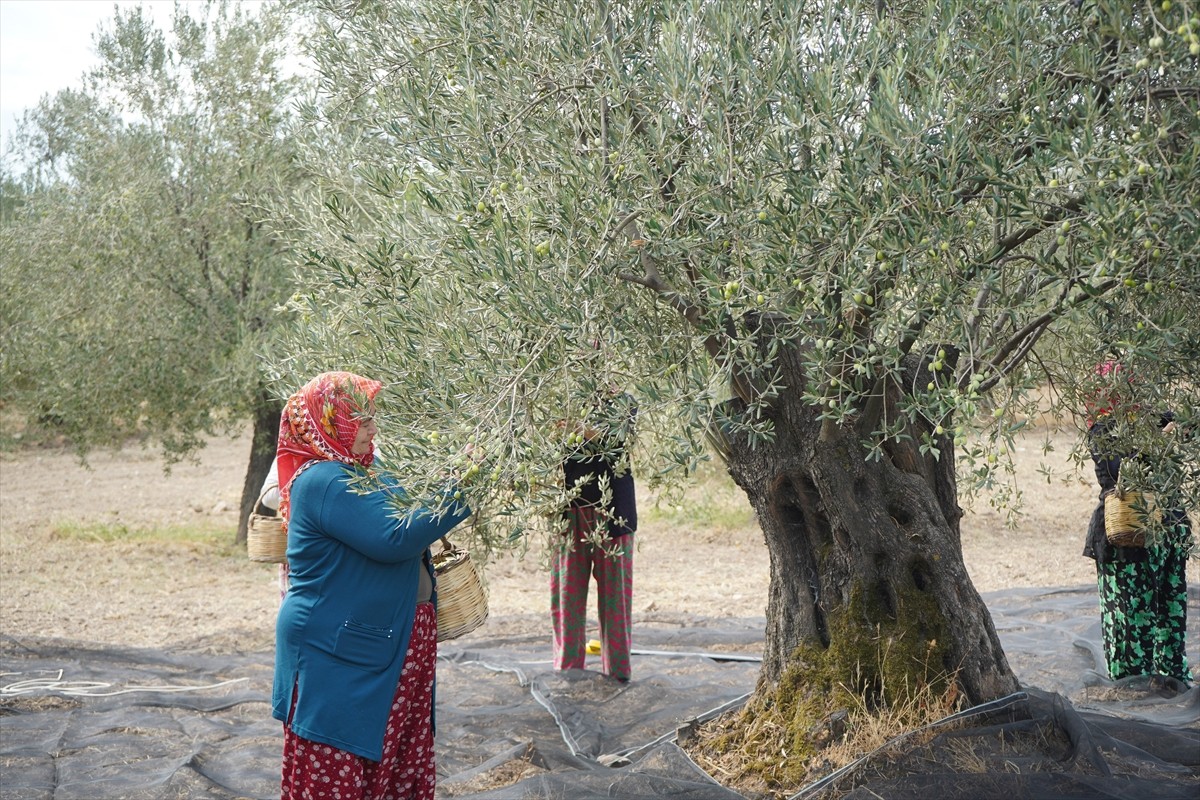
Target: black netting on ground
x,y
87,724
1034,745
93,724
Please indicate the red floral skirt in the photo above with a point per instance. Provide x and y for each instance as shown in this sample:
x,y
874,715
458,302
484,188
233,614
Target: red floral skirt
x,y
315,771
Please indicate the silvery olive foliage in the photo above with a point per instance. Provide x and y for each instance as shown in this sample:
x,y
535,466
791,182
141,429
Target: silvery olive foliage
x,y
511,206
140,279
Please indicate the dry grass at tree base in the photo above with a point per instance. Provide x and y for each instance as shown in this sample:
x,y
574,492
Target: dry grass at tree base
x,y
754,753
816,721
898,750
122,556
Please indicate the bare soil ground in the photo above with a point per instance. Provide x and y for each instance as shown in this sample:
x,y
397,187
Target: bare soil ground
x,y
76,561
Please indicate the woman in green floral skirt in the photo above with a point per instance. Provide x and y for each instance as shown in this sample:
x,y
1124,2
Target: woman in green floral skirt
x,y
1143,589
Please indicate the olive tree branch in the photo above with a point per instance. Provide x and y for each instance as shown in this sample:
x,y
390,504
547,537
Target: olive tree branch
x,y
692,312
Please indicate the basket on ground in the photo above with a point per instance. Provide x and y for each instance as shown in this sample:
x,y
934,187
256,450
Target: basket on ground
x,y
462,601
1126,517
266,539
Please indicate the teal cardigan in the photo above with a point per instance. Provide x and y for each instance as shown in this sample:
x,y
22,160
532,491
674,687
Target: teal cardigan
x,y
343,628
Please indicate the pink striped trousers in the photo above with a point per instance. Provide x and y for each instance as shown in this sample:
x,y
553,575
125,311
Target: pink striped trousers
x,y
575,562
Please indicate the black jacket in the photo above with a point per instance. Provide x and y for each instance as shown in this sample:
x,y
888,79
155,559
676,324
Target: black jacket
x,y
606,459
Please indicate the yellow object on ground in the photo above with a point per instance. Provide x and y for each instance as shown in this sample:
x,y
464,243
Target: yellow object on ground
x,y
593,647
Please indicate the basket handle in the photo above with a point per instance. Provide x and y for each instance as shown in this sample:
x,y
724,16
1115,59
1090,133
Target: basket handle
x,y
447,546
259,502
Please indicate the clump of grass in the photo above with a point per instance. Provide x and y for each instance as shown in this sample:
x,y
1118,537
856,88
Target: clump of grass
x,y
210,537
913,710
505,774
710,500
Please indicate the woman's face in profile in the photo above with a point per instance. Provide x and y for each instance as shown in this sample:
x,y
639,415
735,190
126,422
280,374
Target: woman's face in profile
x,y
366,434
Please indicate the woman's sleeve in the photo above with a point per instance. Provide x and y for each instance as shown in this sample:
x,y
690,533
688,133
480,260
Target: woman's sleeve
x,y
367,523
270,488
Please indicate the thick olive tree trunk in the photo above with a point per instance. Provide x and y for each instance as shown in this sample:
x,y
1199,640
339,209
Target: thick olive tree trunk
x,y
867,572
262,452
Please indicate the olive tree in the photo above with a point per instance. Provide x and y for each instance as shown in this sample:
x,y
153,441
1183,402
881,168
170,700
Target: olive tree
x,y
841,242
140,276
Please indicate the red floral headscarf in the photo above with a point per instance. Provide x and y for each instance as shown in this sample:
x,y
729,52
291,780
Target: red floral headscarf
x,y
1111,390
320,423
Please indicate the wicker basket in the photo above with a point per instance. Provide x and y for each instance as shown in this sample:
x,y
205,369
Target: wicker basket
x,y
266,539
462,603
1126,517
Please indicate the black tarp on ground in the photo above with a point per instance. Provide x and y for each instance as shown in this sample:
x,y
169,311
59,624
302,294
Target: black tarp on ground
x,y
93,724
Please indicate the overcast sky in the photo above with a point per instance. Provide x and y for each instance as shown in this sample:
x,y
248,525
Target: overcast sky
x,y
46,45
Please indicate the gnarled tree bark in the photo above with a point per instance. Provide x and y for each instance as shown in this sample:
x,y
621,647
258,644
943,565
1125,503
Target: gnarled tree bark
x,y
864,550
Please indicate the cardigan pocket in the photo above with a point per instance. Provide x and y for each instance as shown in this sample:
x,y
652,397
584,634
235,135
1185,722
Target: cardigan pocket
x,y
365,645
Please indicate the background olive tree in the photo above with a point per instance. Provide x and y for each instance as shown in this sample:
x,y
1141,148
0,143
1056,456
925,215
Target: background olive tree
x,y
842,241
139,277
12,196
